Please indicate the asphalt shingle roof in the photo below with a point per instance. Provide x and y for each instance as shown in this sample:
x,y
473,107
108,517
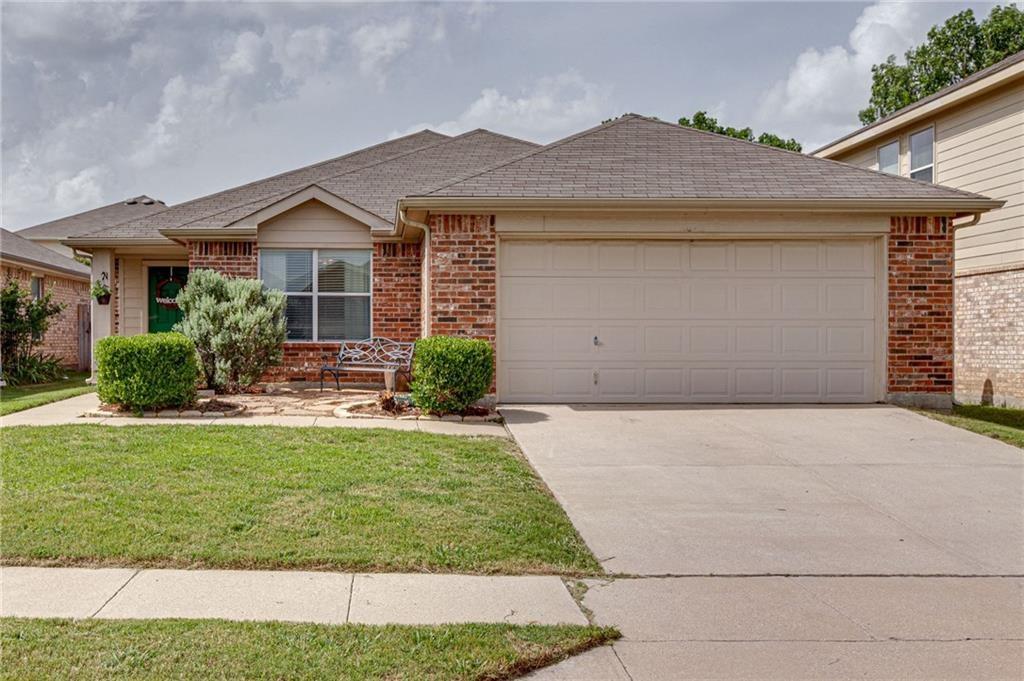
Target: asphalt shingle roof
x,y
18,248
267,190
634,157
95,219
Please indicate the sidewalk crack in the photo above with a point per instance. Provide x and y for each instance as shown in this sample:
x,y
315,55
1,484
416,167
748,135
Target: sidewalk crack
x,y
114,595
351,593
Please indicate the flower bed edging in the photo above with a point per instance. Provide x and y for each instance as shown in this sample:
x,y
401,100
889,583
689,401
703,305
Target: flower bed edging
x,y
344,411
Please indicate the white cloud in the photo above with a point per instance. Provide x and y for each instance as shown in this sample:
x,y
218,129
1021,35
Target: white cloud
x,y
377,45
84,190
552,107
820,97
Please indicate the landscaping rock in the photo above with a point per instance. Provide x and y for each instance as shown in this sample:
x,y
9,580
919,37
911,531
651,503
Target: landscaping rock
x,y
168,414
191,413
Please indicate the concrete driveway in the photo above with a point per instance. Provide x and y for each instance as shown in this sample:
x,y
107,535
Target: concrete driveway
x,y
870,490
791,543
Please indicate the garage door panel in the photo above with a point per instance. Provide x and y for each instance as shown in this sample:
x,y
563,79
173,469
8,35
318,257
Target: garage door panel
x,y
748,321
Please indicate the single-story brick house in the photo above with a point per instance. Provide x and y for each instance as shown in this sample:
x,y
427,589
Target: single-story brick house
x,y
637,261
40,270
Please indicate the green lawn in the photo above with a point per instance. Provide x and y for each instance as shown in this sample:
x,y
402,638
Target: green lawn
x,y
201,649
14,399
263,497
996,422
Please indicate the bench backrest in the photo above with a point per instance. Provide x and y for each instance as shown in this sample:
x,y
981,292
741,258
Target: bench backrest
x,y
376,352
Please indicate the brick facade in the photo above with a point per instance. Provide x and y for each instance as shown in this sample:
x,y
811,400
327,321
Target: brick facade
x,y
61,339
990,338
397,290
463,276
920,342
230,258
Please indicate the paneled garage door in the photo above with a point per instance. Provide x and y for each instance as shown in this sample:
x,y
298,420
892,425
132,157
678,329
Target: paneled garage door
x,y
694,321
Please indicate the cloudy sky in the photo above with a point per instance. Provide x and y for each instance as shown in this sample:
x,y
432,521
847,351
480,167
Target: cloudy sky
x,y
105,101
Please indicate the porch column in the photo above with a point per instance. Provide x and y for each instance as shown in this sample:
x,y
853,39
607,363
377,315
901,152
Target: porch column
x,y
102,315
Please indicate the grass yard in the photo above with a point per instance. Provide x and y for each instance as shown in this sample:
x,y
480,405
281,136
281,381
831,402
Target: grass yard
x,y
199,649
14,399
263,497
996,422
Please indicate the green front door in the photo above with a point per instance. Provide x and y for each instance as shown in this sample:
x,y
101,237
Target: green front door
x,y
164,284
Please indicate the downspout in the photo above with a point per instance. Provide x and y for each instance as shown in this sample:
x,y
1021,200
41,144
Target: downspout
x,y
425,273
975,220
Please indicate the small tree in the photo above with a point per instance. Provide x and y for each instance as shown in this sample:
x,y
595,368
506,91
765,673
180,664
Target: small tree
x,y
23,322
237,325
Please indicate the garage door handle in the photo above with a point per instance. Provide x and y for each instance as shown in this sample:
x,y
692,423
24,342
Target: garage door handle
x,y
596,341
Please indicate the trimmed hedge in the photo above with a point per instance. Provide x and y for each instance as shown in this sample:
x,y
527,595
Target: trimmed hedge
x,y
150,371
449,374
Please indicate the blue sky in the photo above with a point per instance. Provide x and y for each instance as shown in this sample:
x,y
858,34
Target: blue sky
x,y
104,101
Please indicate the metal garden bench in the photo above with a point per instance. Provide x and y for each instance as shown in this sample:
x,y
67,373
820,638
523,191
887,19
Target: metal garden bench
x,y
373,354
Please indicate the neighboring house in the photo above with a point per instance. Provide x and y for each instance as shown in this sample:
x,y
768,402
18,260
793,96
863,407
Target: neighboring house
x,y
51,234
638,261
970,136
40,270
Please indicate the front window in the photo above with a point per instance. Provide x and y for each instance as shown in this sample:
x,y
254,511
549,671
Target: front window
x,y
922,155
37,288
889,158
328,291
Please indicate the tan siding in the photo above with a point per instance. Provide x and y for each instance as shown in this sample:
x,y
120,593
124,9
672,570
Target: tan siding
x,y
979,147
313,225
133,297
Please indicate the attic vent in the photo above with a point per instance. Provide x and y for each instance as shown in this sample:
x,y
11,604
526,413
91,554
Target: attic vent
x,y
148,202
130,202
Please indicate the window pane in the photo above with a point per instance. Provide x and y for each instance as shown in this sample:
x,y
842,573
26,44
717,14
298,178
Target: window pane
x,y
343,318
889,158
37,288
923,175
290,271
344,272
921,149
298,314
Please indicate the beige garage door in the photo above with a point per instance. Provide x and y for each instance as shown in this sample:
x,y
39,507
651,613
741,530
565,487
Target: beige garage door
x,y
694,321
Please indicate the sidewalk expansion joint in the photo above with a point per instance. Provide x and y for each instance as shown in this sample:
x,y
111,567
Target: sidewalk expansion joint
x,y
114,595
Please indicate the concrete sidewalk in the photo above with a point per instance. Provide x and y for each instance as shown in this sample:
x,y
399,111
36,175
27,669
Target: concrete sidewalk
x,y
68,412
320,597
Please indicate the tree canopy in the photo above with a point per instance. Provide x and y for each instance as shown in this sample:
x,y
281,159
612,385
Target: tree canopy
x,y
953,50
702,121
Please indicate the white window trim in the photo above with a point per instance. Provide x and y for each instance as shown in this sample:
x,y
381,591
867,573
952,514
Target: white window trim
x,y
878,156
910,153
315,293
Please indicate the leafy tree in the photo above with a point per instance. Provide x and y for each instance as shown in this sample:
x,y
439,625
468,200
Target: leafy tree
x,y
702,121
953,50
23,322
238,327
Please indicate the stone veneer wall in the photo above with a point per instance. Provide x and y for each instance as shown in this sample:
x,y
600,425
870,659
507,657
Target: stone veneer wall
x,y
920,342
61,339
990,338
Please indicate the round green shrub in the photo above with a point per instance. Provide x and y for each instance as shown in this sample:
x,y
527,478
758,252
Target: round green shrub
x,y
150,371
449,374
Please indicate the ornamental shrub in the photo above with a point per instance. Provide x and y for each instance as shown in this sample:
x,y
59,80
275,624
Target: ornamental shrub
x,y
150,371
237,325
449,374
23,322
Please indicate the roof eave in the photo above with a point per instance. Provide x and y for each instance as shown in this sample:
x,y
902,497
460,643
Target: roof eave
x,y
915,113
889,206
112,242
46,267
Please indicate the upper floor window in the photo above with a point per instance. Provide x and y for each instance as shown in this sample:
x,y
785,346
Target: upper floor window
x,y
328,291
922,155
37,288
889,158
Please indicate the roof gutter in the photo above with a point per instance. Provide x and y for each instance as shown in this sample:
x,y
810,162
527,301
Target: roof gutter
x,y
956,207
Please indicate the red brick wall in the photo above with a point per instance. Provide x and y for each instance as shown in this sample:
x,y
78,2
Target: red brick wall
x,y
463,276
397,288
920,362
990,338
61,339
230,258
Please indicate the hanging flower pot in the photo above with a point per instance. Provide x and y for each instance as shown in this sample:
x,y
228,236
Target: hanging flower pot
x,y
103,299
100,291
